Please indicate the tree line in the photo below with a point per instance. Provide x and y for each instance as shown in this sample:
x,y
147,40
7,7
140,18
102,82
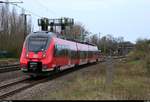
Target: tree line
x,y
12,30
108,44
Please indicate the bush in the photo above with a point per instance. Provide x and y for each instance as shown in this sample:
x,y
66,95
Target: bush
x,y
147,63
5,54
135,55
141,52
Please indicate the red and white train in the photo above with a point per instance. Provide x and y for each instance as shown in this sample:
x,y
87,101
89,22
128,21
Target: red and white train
x,y
44,52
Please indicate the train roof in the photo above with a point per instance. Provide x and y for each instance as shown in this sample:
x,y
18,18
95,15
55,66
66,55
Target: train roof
x,y
82,42
42,33
52,34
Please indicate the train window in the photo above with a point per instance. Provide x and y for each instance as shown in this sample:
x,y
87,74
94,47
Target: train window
x,y
82,54
74,54
90,54
66,52
36,44
61,50
57,50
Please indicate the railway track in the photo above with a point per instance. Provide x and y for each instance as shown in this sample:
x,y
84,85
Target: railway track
x,y
11,89
8,90
14,87
12,83
18,86
14,67
8,68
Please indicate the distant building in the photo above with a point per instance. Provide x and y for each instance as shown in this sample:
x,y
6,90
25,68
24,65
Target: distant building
x,y
125,47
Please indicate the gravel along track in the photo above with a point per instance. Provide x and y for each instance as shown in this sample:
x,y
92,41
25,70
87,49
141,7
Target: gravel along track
x,y
25,90
8,68
43,87
15,87
11,75
50,83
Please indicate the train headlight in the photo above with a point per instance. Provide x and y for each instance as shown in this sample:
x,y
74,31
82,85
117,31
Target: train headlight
x,y
44,54
27,55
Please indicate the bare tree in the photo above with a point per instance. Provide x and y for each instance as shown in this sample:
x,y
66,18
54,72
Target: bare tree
x,y
77,31
12,34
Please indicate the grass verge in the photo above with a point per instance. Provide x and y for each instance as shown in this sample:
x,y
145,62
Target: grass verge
x,y
129,82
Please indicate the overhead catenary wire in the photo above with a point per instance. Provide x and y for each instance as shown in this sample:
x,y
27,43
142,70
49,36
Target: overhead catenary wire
x,y
28,10
39,3
43,6
14,3
25,15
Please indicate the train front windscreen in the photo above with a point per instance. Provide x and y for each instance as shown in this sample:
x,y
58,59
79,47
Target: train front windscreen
x,y
36,44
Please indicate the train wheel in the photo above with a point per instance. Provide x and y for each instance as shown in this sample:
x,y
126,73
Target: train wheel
x,y
57,70
96,60
33,76
76,65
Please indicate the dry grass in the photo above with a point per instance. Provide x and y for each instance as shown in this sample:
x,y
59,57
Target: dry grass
x,y
8,60
129,82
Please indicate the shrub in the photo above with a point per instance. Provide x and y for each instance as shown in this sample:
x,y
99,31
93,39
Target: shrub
x,y
141,52
146,63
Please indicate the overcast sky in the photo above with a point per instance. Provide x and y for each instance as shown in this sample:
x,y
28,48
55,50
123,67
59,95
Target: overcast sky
x,y
127,18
